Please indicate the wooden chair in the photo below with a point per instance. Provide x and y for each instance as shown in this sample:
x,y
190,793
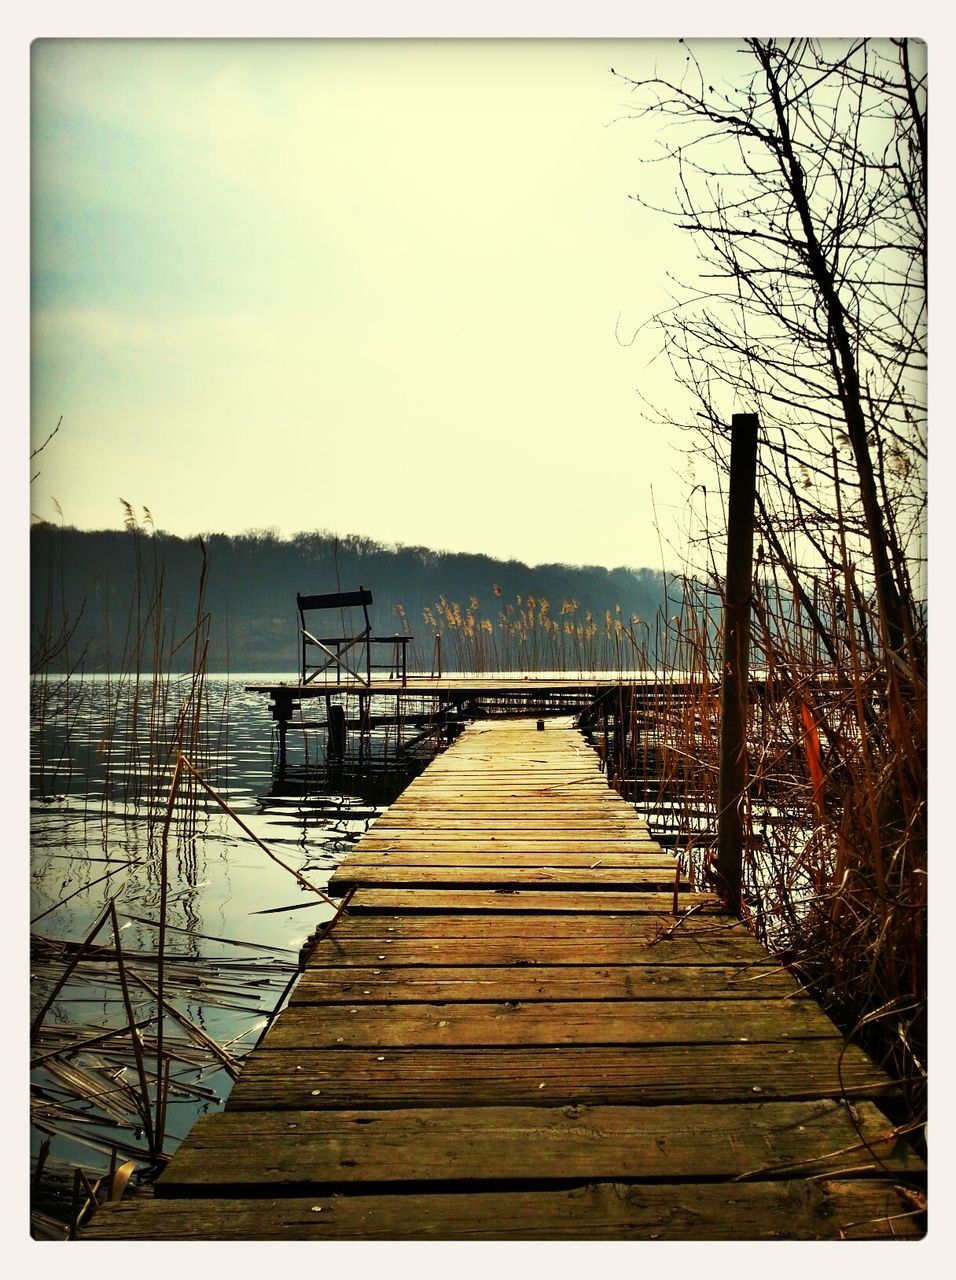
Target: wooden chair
x,y
351,636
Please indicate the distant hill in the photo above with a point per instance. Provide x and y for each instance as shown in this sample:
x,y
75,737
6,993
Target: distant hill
x,y
92,594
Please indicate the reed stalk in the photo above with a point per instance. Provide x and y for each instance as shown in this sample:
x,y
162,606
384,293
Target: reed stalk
x,y
161,942
306,884
143,1096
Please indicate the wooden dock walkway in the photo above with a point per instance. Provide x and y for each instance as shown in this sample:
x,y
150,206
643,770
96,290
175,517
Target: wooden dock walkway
x,y
508,1034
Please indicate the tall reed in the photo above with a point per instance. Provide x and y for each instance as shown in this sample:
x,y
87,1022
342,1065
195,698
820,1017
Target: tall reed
x,y
151,717
528,635
835,865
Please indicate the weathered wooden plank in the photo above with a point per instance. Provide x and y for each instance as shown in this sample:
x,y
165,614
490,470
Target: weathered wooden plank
x,y
522,825
545,816
578,1022
451,857
607,804
467,842
503,790
508,751
550,813
553,940
569,754
336,1078
386,875
309,1149
523,831
472,783
582,901
510,754
827,1209
584,798
607,925
390,984
504,745
503,749
513,794
531,951
512,761
581,772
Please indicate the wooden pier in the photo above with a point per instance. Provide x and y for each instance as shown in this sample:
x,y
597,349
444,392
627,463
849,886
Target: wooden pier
x,y
525,1026
435,701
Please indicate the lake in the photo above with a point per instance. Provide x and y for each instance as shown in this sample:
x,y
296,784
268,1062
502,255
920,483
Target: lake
x,y
235,918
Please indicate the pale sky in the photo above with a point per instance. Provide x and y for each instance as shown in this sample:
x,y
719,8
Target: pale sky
x,y
371,286
380,286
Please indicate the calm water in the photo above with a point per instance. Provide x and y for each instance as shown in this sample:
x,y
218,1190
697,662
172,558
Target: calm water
x,y
86,814
236,919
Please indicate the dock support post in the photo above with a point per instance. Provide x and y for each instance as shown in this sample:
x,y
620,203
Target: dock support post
x,y
733,709
365,728
282,708
336,731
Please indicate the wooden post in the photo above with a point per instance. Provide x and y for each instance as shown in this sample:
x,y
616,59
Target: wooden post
x,y
282,708
733,718
283,727
365,729
336,720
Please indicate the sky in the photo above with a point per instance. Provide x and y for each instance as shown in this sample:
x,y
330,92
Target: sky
x,y
387,286
377,286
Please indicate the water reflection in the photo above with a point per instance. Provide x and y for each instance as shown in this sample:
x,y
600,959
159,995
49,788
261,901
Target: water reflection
x,y
102,759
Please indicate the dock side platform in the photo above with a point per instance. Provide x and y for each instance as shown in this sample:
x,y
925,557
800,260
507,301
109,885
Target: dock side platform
x,y
526,1026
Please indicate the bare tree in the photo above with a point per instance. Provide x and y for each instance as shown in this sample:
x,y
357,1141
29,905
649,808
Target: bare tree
x,y
41,447
804,187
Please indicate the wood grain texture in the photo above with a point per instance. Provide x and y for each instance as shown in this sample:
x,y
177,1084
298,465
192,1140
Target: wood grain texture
x,y
598,925
511,1034
578,901
577,1022
827,1209
437,1077
390,984
387,875
505,938
308,1149
683,948
450,855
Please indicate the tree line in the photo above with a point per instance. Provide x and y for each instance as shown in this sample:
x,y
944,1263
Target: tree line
x,y
98,596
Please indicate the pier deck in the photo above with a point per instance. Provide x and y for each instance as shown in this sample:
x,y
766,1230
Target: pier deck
x,y
573,689
509,1034
453,683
